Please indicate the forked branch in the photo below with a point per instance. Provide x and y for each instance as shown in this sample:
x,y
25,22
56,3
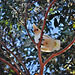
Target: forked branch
x,y
39,44
56,54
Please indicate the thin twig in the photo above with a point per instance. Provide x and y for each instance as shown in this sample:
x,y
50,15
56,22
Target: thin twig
x,y
32,3
1,59
26,9
56,54
25,21
13,9
18,67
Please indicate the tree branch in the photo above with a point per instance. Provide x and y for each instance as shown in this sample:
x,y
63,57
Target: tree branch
x,y
45,22
39,44
30,35
16,58
25,21
10,66
58,53
18,68
39,53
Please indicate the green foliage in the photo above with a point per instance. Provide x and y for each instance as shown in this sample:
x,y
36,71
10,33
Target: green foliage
x,y
51,11
11,71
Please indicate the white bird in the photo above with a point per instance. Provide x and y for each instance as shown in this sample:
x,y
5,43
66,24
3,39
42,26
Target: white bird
x,y
48,43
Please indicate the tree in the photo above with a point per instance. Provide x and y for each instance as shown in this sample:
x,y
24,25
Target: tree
x,y
17,44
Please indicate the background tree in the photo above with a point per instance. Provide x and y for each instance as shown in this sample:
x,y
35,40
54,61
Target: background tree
x,y
60,24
